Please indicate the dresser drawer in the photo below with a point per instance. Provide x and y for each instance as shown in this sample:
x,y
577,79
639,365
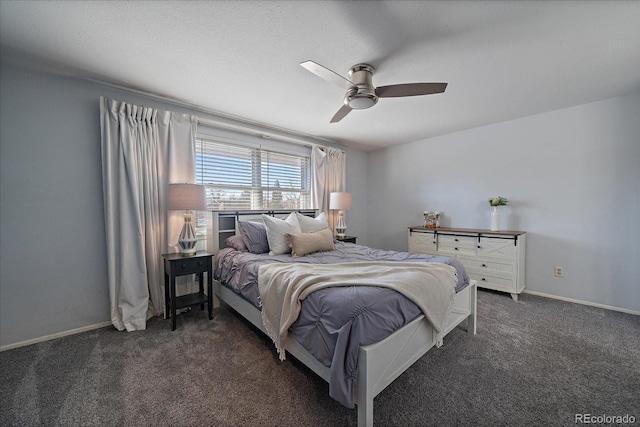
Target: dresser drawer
x,y
494,281
459,241
422,243
456,250
457,245
499,248
489,265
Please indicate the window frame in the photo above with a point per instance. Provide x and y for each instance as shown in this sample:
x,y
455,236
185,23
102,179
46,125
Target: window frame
x,y
275,162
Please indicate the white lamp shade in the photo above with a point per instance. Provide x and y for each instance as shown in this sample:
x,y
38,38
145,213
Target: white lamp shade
x,y
186,197
340,201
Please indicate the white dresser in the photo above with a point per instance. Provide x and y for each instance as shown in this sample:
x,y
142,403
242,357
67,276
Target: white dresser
x,y
494,258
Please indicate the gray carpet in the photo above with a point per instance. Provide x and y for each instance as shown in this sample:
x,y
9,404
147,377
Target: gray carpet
x,y
534,362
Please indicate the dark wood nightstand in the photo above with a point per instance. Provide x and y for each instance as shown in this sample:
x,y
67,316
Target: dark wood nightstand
x,y
347,239
180,265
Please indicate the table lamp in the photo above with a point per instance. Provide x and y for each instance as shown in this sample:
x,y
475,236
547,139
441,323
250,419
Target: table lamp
x,y
342,202
187,197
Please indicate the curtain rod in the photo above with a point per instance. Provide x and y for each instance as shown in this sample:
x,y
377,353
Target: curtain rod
x,y
241,128
258,132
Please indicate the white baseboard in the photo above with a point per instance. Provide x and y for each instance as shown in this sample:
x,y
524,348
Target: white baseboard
x,y
56,335
577,301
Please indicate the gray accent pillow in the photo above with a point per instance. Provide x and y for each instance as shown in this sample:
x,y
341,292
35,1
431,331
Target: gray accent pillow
x,y
235,242
302,244
254,236
309,225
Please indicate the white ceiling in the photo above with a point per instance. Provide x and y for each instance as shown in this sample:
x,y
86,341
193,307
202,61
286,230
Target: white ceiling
x,y
502,59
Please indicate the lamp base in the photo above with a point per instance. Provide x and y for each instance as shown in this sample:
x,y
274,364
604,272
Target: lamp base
x,y
186,252
341,227
187,240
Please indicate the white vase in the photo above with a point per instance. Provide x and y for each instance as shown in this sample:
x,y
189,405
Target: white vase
x,y
495,219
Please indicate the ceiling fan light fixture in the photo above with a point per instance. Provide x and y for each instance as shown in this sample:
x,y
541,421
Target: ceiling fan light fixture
x,y
361,102
361,98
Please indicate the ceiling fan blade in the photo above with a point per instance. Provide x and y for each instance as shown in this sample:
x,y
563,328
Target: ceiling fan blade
x,y
343,111
410,89
326,74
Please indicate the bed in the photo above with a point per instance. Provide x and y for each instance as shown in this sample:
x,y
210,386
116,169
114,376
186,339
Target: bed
x,y
375,364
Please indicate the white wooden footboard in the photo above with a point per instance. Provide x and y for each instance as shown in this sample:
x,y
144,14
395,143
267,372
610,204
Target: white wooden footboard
x,y
381,363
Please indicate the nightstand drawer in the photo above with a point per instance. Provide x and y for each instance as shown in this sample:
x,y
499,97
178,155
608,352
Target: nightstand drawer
x,y
189,266
347,239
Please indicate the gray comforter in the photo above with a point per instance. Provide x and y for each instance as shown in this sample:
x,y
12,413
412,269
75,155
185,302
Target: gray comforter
x,y
335,322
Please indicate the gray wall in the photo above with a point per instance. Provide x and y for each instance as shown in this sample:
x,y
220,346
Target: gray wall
x,y
573,180
52,245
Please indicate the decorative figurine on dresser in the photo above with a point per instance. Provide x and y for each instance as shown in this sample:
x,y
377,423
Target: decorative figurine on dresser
x,y
431,219
494,258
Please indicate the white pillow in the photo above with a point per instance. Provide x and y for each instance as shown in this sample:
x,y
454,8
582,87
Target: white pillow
x,y
311,225
275,232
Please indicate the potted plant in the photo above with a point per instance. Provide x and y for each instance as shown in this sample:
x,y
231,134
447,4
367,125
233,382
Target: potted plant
x,y
495,216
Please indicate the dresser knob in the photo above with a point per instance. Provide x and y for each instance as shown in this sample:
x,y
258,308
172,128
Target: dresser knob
x,y
484,265
478,246
183,266
484,280
456,240
200,263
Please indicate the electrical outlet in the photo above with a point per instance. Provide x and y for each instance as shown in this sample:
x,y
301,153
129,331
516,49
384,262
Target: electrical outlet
x,y
558,271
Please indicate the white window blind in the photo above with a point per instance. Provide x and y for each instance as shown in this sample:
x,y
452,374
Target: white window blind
x,y
238,177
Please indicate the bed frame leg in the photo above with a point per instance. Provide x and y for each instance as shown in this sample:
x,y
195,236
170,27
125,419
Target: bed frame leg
x,y
473,301
365,414
364,396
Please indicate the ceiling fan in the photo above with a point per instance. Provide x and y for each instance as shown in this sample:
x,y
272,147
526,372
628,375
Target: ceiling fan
x,y
361,93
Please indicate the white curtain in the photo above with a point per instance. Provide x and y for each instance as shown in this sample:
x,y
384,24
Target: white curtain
x,y
328,168
143,149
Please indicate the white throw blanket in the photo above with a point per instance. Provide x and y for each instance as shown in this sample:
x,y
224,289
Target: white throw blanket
x,y
431,286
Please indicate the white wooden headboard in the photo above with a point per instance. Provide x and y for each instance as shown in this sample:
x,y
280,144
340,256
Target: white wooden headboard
x,y
225,224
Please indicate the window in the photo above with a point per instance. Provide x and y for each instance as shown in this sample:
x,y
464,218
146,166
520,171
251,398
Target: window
x,y
242,177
